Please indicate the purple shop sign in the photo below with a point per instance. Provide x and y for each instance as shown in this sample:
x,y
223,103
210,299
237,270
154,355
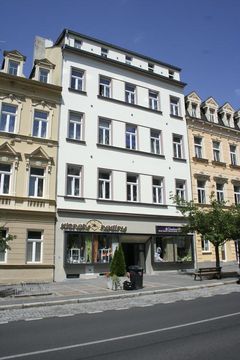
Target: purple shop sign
x,y
168,229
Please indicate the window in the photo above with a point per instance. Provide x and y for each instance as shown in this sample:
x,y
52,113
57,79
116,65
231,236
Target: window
x,y
104,52
132,188
89,248
228,119
104,185
75,125
153,100
36,182
177,146
157,187
174,106
173,248
104,131
211,115
194,110
198,147
5,178
216,151
40,124
236,189
43,75
130,93
181,189
155,142
13,67
34,246
3,234
105,87
128,60
150,67
220,192
73,180
233,154
171,74
201,192
205,245
8,118
77,44
131,137
77,79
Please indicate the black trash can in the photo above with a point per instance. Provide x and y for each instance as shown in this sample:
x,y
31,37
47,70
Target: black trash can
x,y
136,276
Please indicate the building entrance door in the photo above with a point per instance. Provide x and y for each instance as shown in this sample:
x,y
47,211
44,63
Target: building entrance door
x,y
134,254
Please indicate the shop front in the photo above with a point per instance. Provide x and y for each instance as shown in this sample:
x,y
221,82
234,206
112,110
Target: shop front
x,y
88,247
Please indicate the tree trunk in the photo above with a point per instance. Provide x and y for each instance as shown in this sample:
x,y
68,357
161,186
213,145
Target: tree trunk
x,y
217,255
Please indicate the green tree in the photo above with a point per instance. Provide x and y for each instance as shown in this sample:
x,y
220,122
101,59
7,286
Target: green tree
x,y
215,222
118,265
4,240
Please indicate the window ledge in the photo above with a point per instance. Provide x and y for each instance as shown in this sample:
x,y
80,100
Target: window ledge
x,y
198,159
75,198
176,117
129,104
131,203
77,91
136,152
83,142
180,159
219,163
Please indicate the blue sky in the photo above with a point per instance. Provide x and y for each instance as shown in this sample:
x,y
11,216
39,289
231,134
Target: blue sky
x,y
199,36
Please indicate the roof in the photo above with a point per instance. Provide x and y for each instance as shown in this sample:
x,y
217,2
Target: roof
x,y
149,59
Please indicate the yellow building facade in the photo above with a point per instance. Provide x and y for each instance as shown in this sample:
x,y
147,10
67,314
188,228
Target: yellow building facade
x,y
214,155
29,110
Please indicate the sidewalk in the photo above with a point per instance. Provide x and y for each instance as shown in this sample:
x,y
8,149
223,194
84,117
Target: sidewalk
x,y
93,289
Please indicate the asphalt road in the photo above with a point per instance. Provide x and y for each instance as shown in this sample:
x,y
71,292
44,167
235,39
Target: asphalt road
x,y
204,328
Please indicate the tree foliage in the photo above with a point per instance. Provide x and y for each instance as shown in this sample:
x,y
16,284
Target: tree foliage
x,y
215,222
4,240
118,265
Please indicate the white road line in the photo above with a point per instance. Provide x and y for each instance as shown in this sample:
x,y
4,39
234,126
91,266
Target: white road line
x,y
95,312
3,322
33,319
122,308
67,347
65,315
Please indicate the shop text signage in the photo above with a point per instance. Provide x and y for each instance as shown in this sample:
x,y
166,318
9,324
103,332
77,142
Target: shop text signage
x,y
94,225
168,229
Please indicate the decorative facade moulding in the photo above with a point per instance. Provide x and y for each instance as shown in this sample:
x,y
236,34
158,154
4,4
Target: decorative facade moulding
x,y
220,179
94,226
202,176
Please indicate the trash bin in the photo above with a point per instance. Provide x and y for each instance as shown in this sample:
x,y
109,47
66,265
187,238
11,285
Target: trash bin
x,y
136,276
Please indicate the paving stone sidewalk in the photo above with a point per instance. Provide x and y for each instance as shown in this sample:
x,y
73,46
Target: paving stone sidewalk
x,y
92,289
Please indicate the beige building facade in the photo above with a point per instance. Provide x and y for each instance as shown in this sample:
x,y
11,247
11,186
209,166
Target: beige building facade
x,y
28,157
214,155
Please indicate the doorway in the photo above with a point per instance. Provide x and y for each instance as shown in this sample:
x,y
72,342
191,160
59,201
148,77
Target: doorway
x,y
134,254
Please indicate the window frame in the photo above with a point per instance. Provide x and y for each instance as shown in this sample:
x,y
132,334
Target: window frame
x,y
216,150
236,190
9,117
153,99
156,142
205,245
220,192
77,83
44,78
198,147
37,182
104,185
130,95
131,137
71,179
34,242
74,124
105,90
6,175
201,191
178,146
13,70
104,52
3,253
233,154
158,190
175,109
132,188
181,189
103,131
40,121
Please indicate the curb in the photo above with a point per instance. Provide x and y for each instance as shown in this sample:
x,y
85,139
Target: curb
x,y
110,297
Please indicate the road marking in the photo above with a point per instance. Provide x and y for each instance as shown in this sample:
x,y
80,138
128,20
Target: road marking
x,y
3,322
33,319
65,315
95,312
96,342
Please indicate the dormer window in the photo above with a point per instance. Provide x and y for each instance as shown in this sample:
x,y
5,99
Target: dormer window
x,y
171,74
194,110
211,115
228,120
128,60
77,44
104,52
13,67
151,67
43,75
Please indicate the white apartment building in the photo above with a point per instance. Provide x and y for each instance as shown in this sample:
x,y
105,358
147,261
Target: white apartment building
x,y
123,151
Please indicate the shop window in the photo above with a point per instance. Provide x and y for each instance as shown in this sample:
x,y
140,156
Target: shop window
x,y
172,248
88,248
